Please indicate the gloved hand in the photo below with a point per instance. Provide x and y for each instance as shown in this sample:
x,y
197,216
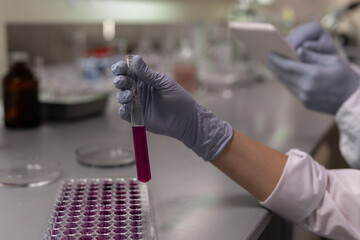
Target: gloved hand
x,y
321,81
312,37
170,110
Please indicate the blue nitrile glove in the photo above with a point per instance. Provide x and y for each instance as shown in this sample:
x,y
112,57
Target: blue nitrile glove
x,y
312,36
170,110
321,81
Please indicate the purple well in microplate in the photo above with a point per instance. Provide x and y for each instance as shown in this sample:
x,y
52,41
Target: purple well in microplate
x,y
106,189
78,198
76,203
105,213
72,219
104,219
103,231
73,214
87,225
120,236
91,203
105,207
106,202
55,232
91,198
120,230
120,197
120,207
120,213
86,231
75,208
62,203
69,232
59,220
135,212
118,192
120,188
85,238
89,213
133,188
135,217
88,219
134,207
104,225
106,193
136,223
136,236
92,193
91,208
71,225
136,230
134,197
68,238
134,192
120,224
57,225
120,202
106,198
102,237
120,218
134,201
78,194
60,214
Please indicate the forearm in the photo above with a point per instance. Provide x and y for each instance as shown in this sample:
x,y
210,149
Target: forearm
x,y
252,165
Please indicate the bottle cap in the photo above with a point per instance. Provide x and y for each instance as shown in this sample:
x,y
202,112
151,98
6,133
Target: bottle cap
x,y
19,56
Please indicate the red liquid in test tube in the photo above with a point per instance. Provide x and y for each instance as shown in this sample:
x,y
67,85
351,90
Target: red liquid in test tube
x,y
141,153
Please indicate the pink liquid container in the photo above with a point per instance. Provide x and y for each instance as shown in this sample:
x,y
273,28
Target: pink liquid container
x,y
138,127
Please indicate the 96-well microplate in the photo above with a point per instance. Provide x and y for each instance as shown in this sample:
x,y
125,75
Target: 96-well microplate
x,y
101,209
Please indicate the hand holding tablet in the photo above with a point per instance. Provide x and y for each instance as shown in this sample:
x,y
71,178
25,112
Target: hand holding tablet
x,y
260,39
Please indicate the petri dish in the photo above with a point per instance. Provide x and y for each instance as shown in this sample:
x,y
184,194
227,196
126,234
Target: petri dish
x,y
103,155
28,172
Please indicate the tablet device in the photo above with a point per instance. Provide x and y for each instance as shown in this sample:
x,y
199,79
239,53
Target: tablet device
x,y
260,39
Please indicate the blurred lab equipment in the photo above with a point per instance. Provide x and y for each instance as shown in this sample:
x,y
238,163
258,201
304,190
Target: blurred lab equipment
x,y
138,126
104,155
223,67
346,30
20,94
28,171
67,96
185,71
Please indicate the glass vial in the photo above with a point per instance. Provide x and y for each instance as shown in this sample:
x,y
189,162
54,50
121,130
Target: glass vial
x,y
20,94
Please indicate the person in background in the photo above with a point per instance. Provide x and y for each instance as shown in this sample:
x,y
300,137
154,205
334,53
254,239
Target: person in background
x,y
293,185
324,81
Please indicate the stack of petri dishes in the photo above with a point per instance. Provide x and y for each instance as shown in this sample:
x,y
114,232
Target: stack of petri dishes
x,y
101,209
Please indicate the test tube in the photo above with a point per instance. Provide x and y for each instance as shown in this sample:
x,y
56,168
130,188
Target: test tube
x,y
138,127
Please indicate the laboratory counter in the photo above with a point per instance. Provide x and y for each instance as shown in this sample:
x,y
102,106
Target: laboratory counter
x,y
191,199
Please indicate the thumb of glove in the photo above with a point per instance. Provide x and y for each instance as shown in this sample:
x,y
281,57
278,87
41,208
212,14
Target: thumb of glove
x,y
146,74
308,56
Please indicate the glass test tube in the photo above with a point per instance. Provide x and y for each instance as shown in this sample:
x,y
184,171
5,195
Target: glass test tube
x,y
138,127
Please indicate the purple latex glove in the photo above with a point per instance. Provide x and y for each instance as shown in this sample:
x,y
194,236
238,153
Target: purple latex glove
x,y
322,82
312,36
170,110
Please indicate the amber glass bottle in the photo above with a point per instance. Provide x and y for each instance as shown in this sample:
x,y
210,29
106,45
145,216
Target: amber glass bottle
x,y
20,95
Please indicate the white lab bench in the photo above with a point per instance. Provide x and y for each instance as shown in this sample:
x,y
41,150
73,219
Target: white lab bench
x,y
191,199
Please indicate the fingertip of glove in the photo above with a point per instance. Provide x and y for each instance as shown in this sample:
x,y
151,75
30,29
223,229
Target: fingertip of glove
x,y
124,112
118,68
120,81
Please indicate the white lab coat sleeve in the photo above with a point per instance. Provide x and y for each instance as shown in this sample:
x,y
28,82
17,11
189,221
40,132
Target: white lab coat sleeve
x,y
325,202
348,121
